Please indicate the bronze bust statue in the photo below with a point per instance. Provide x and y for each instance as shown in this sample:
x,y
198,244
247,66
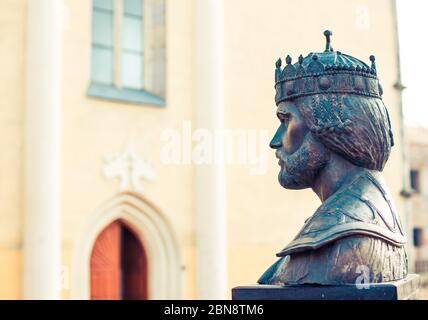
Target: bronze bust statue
x,y
335,137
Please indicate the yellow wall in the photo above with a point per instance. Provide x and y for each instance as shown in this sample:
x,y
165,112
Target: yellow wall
x,y
12,86
94,129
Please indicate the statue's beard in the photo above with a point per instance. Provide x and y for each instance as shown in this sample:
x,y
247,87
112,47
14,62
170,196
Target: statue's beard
x,y
300,169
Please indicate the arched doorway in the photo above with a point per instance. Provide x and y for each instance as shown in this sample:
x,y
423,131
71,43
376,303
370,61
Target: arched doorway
x,y
153,231
118,265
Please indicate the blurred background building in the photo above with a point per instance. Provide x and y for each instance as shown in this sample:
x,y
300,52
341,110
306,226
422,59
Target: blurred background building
x,y
97,200
416,123
418,156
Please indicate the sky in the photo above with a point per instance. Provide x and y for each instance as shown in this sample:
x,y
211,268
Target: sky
x,y
413,37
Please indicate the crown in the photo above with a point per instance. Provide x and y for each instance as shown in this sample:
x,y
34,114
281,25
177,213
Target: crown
x,y
326,72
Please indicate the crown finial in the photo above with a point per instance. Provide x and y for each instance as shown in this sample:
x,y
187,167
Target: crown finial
x,y
300,59
288,59
373,60
328,34
278,69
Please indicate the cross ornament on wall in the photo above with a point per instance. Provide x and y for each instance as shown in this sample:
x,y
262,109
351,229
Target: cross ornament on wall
x,y
129,169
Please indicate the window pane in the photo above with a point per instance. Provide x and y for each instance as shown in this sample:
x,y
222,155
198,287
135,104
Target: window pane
x,y
132,70
414,179
134,7
102,65
132,37
103,4
417,237
102,31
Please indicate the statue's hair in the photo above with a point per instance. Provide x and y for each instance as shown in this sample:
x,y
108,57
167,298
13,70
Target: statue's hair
x,y
355,127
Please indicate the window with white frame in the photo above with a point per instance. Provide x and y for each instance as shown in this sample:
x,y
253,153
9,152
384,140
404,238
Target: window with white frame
x,y
128,50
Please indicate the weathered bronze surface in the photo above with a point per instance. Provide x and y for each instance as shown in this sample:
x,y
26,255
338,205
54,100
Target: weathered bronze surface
x,y
335,137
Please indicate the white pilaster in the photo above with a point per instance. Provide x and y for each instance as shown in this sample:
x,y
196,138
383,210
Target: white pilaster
x,y
42,242
210,179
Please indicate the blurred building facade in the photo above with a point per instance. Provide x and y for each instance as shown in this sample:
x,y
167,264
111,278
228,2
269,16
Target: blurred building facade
x,y
91,90
418,158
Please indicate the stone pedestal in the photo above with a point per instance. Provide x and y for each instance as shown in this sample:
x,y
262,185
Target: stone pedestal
x,y
406,289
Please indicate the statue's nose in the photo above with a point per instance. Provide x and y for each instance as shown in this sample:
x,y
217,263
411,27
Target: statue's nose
x,y
276,141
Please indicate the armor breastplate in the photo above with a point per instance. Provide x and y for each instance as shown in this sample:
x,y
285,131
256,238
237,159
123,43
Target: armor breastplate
x,y
361,206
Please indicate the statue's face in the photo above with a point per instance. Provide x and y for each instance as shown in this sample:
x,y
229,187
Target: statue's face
x,y
301,156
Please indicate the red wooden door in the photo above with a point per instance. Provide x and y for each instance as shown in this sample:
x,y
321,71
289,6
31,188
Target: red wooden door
x,y
134,267
118,265
105,264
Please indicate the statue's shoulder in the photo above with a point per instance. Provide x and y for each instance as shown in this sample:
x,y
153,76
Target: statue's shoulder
x,y
362,206
371,257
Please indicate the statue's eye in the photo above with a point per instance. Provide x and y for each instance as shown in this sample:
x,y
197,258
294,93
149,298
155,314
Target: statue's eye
x,y
285,118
